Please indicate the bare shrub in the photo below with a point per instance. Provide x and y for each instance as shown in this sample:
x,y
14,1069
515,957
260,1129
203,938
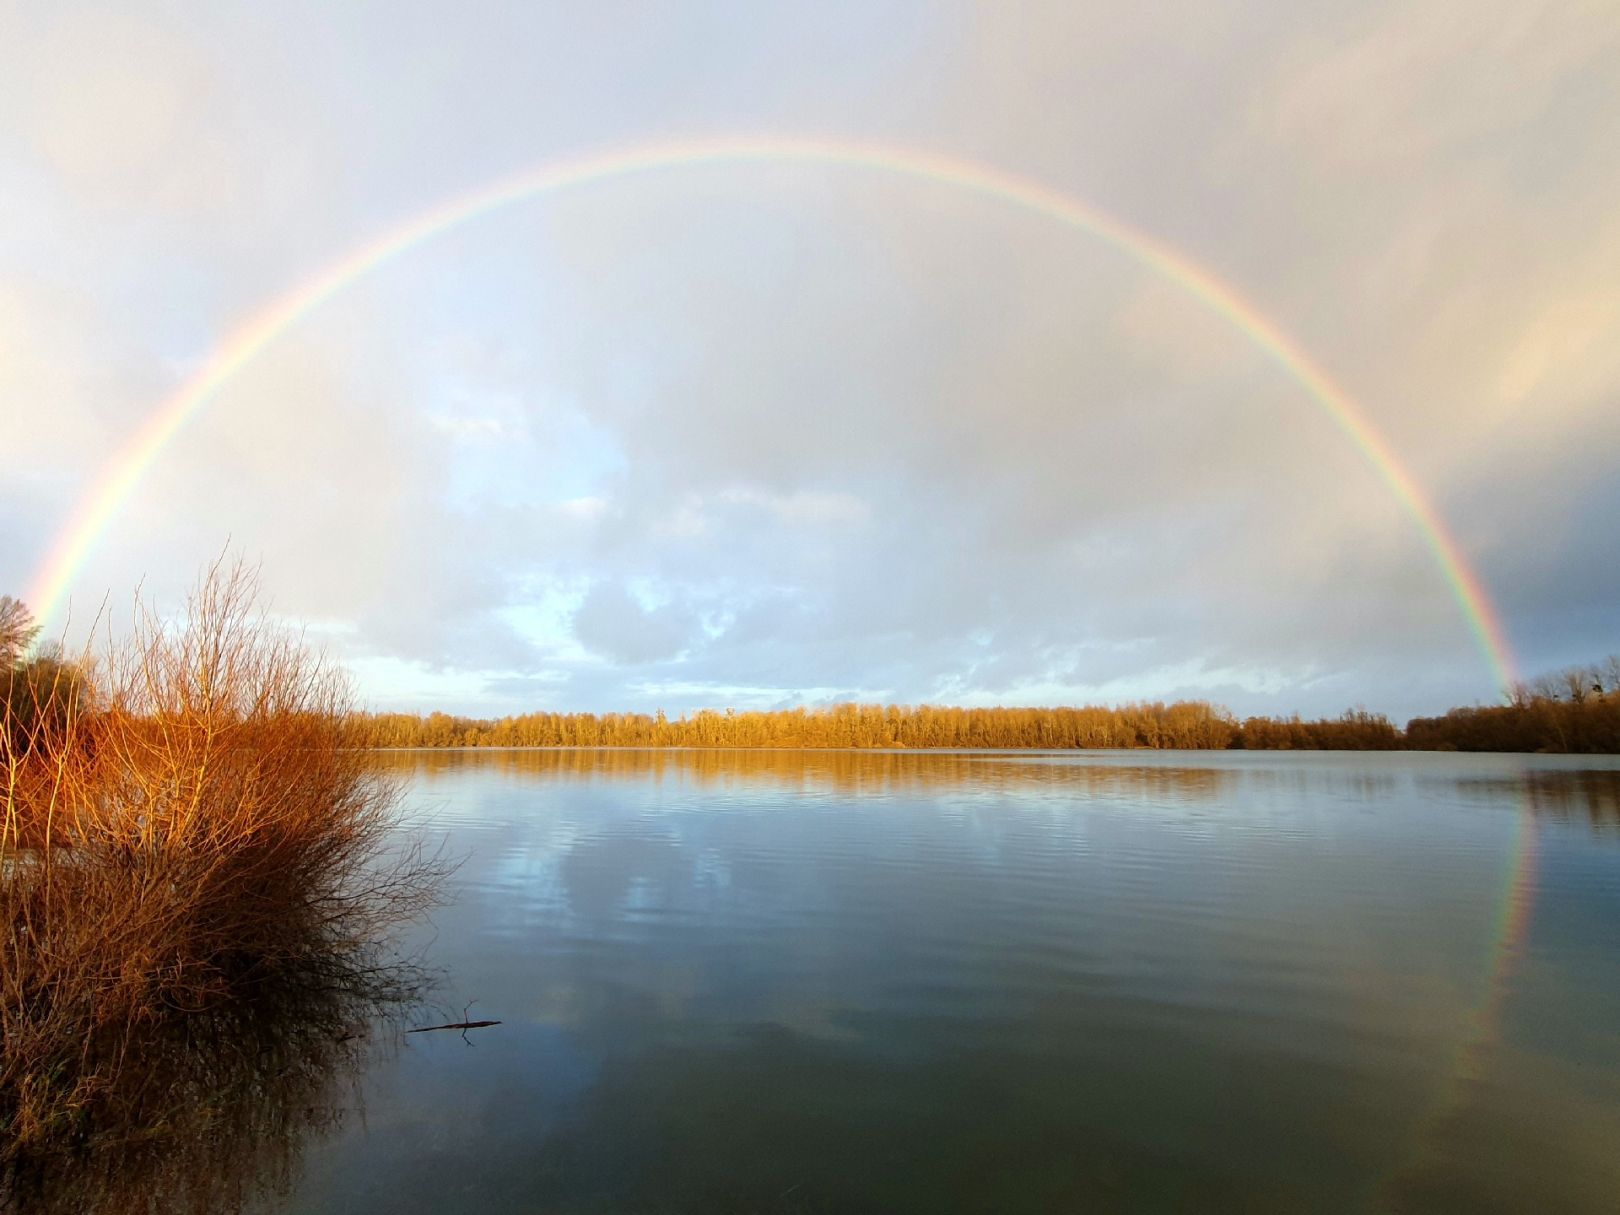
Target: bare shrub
x,y
188,835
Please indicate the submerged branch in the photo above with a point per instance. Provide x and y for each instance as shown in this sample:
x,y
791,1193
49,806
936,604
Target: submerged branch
x,y
428,1029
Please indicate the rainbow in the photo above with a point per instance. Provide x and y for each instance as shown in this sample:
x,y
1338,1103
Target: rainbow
x,y
1482,1028
96,508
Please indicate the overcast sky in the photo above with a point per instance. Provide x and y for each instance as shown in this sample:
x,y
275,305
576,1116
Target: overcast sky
x,y
767,435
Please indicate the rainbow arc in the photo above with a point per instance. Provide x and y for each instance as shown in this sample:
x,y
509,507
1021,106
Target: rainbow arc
x,y
64,561
96,508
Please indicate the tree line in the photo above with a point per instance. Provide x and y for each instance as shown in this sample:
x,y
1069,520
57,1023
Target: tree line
x,y
1184,725
1574,710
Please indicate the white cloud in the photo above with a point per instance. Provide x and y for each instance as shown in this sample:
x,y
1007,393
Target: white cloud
x,y
777,431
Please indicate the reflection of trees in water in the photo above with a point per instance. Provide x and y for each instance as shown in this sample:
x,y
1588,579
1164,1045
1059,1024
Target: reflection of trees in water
x,y
1303,781
201,1113
844,772
1592,795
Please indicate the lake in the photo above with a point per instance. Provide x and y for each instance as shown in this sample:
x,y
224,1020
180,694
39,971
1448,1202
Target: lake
x,y
1011,982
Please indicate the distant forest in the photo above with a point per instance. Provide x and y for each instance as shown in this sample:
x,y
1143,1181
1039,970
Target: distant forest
x,y
1575,710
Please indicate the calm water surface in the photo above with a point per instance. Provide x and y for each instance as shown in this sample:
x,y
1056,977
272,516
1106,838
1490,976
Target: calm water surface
x,y
800,982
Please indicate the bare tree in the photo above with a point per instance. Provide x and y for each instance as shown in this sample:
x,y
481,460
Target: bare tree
x,y
17,629
1575,681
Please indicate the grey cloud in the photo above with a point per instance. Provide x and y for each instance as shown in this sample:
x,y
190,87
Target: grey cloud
x,y
611,622
854,432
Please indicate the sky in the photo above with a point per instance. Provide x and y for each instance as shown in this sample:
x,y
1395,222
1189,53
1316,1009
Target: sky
x,y
770,434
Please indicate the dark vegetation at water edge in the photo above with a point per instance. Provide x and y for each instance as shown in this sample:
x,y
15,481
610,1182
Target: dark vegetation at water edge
x,y
1573,711
198,886
1576,710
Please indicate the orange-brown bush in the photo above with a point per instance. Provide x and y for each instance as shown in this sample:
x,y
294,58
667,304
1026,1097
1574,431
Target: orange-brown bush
x,y
187,833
